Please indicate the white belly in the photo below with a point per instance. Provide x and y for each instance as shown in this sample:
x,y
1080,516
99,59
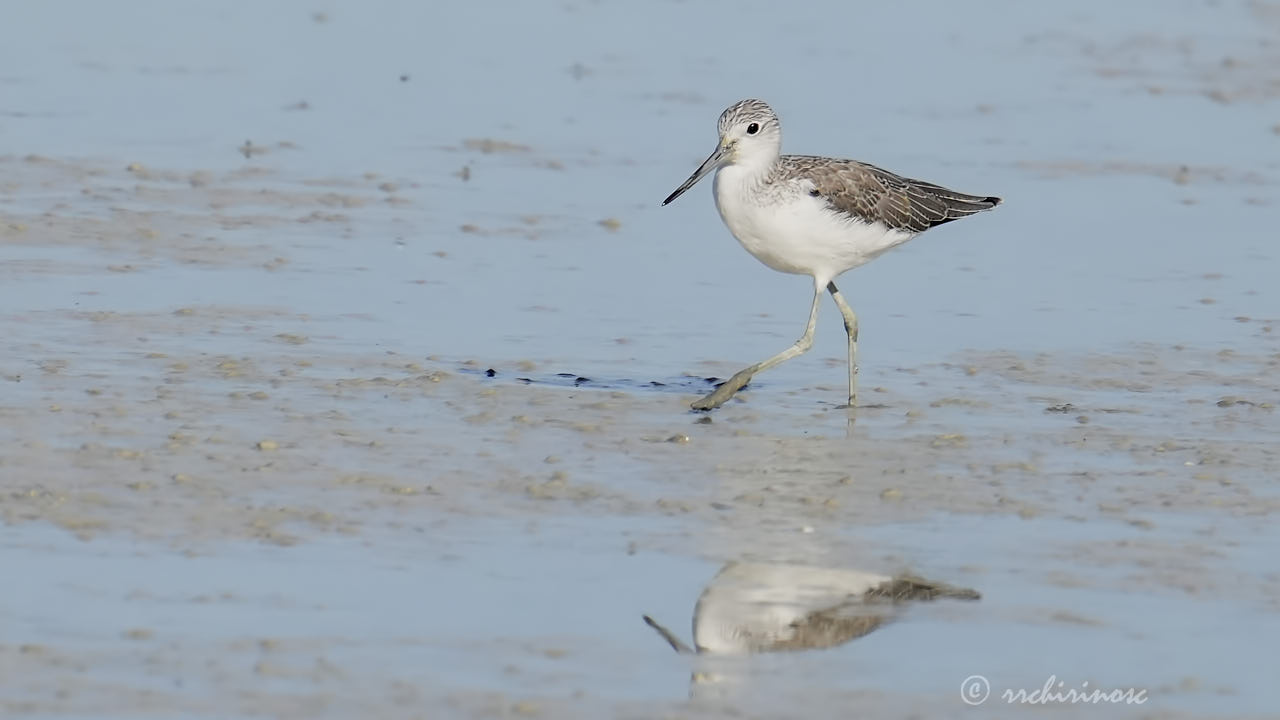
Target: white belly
x,y
799,233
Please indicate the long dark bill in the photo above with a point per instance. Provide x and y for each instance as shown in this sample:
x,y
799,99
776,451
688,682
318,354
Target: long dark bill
x,y
707,166
676,643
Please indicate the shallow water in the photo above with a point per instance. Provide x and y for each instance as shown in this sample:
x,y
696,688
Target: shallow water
x,y
254,463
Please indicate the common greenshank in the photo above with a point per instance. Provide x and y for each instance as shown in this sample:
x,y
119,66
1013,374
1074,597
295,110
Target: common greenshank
x,y
815,216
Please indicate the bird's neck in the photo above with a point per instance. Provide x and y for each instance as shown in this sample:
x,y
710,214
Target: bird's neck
x,y
750,171
759,164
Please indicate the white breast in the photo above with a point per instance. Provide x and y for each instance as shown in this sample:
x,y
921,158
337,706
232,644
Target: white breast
x,y
793,232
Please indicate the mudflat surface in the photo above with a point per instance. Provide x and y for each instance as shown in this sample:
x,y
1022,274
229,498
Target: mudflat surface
x,y
384,412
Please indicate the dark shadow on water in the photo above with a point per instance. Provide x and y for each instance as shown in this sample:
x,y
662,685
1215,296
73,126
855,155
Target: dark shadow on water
x,y
574,380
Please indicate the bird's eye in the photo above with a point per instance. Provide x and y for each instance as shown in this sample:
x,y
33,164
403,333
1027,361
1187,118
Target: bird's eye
x,y
753,128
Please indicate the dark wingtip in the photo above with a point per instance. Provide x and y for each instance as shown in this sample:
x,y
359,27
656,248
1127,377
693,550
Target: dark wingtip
x,y
993,200
910,587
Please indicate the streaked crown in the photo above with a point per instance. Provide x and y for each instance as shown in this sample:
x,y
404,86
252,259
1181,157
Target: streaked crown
x,y
748,111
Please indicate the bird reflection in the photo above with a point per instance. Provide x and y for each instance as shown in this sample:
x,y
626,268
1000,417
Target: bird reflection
x,y
752,608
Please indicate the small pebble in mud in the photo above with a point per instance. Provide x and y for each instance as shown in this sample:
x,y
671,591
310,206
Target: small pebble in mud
x,y
551,459
679,439
891,494
1207,301
704,420
489,146
138,634
526,707
611,224
958,401
1082,419
267,669
268,445
673,506
1231,400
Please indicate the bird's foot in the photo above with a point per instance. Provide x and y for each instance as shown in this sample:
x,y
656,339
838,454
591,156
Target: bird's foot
x,y
726,390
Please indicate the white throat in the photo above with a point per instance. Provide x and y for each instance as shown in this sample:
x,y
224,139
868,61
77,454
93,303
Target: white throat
x,y
754,159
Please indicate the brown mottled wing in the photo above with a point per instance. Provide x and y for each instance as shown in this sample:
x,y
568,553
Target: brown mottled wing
x,y
872,193
827,629
842,623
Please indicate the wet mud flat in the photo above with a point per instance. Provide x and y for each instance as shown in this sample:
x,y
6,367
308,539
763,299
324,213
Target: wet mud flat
x,y
266,534
229,508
